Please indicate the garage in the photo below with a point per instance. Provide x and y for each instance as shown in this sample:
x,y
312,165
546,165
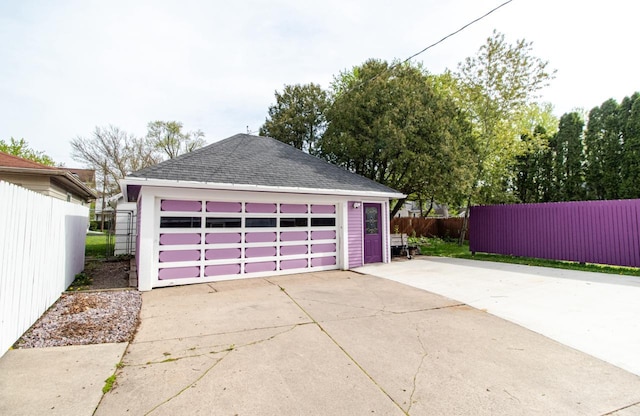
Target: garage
x,y
251,206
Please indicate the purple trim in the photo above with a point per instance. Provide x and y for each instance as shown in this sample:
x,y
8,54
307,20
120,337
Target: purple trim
x,y
179,273
293,208
323,209
179,255
260,237
182,206
293,250
224,206
223,238
323,235
293,236
323,261
222,269
293,264
265,266
253,207
323,248
259,252
179,239
222,253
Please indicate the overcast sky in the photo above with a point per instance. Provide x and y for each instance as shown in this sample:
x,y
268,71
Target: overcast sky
x,y
67,66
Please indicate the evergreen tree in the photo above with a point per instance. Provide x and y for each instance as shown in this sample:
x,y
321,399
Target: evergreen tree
x,y
569,156
603,152
630,187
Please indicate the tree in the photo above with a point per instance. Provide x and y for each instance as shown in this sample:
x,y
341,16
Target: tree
x,y
298,116
630,187
168,137
534,168
603,144
568,163
496,86
395,125
113,154
21,149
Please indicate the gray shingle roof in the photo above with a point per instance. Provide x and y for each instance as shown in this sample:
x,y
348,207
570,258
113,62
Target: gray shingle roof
x,y
253,160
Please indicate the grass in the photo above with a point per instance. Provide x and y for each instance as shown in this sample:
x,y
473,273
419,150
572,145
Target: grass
x,y
99,246
439,248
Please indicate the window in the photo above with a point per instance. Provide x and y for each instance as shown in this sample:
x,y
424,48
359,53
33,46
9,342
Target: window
x,y
260,222
180,222
293,222
323,222
224,223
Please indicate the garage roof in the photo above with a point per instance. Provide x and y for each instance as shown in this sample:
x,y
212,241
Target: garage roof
x,y
260,162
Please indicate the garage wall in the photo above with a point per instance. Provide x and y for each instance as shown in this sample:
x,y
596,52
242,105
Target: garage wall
x,y
354,224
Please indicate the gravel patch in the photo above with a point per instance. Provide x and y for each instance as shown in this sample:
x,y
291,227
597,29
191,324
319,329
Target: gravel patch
x,y
86,318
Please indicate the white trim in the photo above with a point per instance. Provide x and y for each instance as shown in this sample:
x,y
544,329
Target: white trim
x,y
253,188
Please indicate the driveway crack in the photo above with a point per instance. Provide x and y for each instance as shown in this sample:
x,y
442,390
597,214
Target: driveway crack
x,y
415,376
226,352
344,351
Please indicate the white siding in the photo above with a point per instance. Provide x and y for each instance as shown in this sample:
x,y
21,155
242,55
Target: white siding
x,y
41,251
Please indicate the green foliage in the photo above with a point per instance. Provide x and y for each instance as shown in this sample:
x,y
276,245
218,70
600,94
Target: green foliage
x,y
298,116
168,137
108,384
396,125
603,152
496,87
569,158
99,246
630,186
21,149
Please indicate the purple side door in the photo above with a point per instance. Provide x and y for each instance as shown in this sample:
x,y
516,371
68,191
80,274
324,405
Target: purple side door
x,y
372,234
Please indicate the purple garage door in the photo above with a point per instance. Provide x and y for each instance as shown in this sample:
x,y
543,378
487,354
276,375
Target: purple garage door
x,y
212,240
372,234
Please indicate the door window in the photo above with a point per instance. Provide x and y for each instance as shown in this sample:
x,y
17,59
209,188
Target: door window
x,y
371,220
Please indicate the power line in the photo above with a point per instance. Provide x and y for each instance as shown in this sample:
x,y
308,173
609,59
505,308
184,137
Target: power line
x,y
435,44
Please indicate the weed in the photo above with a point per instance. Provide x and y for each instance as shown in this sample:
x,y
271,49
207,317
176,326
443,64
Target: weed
x,y
108,384
81,281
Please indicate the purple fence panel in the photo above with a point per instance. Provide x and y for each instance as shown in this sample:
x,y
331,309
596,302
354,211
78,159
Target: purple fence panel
x,y
605,232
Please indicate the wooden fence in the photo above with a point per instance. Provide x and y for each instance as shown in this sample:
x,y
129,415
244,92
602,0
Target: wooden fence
x,y
428,227
41,250
605,232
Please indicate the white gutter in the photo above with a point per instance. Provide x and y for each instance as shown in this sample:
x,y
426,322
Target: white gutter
x,y
255,188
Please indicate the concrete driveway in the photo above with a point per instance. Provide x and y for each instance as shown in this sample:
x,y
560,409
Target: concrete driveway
x,y
342,343
593,312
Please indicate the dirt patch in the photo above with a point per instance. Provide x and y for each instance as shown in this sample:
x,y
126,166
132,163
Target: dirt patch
x,y
103,274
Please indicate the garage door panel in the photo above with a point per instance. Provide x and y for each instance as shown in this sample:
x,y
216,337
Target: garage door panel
x,y
215,240
179,273
223,238
180,239
268,237
223,253
222,269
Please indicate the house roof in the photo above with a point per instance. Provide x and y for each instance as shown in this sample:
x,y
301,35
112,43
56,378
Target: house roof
x,y
63,177
260,162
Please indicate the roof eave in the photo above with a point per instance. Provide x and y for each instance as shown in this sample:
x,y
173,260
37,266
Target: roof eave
x,y
130,180
67,176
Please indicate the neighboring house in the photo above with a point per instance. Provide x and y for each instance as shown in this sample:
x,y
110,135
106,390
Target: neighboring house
x,y
251,206
59,183
412,209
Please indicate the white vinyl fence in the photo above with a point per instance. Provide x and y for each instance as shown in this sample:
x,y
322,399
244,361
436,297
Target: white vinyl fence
x,y
42,243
